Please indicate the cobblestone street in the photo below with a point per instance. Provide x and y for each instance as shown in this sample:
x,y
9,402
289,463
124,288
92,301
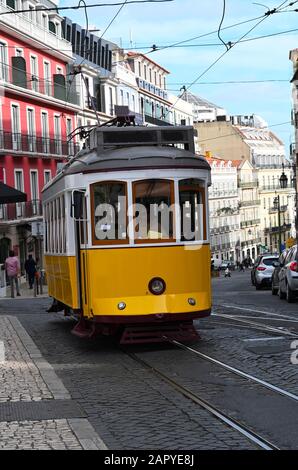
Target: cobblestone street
x,y
89,393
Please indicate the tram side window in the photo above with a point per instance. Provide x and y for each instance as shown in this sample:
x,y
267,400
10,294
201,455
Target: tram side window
x,y
192,209
153,210
55,229
109,212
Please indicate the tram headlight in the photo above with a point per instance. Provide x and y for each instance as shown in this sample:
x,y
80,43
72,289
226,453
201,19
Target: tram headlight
x,y
192,301
157,286
122,305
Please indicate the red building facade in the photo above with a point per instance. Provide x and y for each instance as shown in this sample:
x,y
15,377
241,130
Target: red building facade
x,y
38,108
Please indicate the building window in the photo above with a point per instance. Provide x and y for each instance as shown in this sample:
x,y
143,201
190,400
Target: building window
x,y
34,73
34,191
69,131
47,78
3,61
140,69
45,132
145,72
57,133
31,129
47,176
15,125
121,97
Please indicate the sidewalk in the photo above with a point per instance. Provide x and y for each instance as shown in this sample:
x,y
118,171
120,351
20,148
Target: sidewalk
x,y
26,293
36,410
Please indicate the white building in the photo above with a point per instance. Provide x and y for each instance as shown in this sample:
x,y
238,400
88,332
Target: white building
x,y
224,210
203,110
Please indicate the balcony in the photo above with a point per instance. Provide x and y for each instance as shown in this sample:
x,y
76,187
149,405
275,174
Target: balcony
x,y
253,241
248,184
250,203
274,210
20,210
32,144
23,24
282,228
156,121
276,187
57,88
250,223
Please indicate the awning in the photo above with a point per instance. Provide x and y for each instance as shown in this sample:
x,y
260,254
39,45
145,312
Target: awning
x,y
9,194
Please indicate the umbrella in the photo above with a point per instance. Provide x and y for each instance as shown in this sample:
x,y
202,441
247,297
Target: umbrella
x,y
9,194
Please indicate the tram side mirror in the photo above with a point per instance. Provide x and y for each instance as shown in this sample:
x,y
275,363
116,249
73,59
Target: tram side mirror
x,y
77,205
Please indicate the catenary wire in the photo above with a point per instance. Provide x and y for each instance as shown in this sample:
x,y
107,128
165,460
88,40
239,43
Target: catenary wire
x,y
76,7
267,14
113,19
220,25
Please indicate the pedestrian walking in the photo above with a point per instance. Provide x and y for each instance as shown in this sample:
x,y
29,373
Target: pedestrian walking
x,y
30,267
12,266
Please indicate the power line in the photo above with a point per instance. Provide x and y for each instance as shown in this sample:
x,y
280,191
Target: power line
x,y
77,7
113,19
264,17
232,82
220,25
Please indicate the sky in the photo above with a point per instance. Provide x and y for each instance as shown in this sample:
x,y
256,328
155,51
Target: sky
x,y
142,25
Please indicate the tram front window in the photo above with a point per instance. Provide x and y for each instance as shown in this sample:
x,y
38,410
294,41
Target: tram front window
x,y
192,207
153,210
108,207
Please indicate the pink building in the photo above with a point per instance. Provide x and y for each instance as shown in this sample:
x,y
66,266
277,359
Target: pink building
x,y
38,107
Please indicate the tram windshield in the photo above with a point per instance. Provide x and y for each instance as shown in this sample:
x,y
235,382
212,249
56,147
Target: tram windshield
x,y
109,209
153,210
191,198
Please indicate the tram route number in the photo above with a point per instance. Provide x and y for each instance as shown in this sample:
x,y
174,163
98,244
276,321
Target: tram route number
x,y
187,460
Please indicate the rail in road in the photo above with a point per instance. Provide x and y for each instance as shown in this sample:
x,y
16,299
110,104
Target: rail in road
x,y
235,424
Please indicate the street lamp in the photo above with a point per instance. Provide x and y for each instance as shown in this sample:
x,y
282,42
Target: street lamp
x,y
283,180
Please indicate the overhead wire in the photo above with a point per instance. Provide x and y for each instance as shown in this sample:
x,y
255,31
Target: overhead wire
x,y
76,7
113,19
264,17
220,25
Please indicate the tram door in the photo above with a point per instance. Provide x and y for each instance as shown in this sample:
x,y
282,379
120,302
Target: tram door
x,y
80,216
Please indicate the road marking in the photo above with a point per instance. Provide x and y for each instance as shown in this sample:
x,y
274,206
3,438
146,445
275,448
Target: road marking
x,y
265,339
263,318
2,352
253,310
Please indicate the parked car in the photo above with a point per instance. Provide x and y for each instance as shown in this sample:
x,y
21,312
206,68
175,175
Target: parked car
x,y
227,264
275,276
264,271
288,276
255,265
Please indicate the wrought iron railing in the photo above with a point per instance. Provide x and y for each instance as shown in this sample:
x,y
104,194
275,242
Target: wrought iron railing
x,y
20,210
56,89
12,141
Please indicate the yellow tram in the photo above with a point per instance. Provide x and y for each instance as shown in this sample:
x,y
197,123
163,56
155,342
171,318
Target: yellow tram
x,y
126,235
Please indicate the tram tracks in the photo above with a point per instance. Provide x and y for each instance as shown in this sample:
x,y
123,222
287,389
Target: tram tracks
x,y
233,417
233,423
257,325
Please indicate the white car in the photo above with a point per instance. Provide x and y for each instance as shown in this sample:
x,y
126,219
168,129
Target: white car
x,y
264,271
288,276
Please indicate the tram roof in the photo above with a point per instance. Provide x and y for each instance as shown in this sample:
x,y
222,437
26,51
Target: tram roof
x,y
135,158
